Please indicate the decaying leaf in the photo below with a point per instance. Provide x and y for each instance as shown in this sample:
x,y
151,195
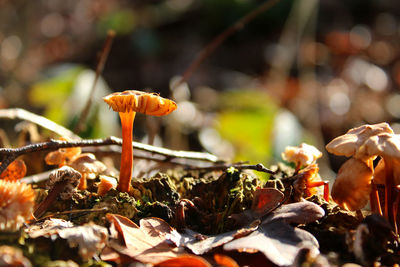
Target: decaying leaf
x,y
147,243
200,244
48,228
89,238
264,201
15,171
298,212
276,239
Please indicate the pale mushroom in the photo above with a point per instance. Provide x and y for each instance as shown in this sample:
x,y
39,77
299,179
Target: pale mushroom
x,y
349,145
127,103
387,146
88,166
302,155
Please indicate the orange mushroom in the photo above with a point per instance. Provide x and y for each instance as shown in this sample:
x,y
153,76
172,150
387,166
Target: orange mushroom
x,y
127,103
16,204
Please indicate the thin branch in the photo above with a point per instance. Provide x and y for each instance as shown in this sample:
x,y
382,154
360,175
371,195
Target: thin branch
x,y
80,126
257,167
22,114
210,47
8,155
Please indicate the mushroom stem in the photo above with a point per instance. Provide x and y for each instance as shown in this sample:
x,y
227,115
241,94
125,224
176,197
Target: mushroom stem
x,y
389,186
125,173
374,199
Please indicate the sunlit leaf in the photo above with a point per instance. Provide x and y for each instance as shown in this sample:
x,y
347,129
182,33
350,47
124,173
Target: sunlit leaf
x,y
147,243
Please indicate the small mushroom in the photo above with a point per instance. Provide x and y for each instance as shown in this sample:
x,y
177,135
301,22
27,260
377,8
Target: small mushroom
x,y
127,103
352,186
62,183
16,204
349,145
105,185
88,166
302,155
387,146
62,156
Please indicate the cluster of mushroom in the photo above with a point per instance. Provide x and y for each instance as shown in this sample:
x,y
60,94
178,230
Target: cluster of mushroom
x,y
85,163
357,178
17,199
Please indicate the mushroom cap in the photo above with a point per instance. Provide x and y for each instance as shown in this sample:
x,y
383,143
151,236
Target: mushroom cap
x,y
349,143
302,155
352,186
87,163
65,173
138,101
386,145
105,185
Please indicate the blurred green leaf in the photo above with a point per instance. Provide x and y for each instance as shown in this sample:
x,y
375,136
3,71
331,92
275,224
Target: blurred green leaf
x,y
246,120
121,21
52,92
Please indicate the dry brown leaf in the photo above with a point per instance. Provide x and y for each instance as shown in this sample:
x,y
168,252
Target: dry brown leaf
x,y
15,171
264,201
190,239
278,241
184,261
147,243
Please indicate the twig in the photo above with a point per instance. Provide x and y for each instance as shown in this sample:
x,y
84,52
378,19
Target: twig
x,y
22,114
80,126
209,49
70,212
8,155
257,167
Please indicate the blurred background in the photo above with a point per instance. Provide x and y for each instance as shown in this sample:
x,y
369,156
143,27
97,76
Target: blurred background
x,y
303,71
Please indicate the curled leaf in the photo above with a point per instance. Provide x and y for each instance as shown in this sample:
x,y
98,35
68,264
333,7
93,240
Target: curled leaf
x,y
147,243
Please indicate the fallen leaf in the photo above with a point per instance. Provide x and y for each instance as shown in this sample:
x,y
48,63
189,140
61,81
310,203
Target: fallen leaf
x,y
15,171
147,243
278,241
298,212
184,261
90,238
264,201
200,244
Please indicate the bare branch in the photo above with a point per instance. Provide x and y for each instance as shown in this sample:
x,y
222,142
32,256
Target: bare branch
x,y
80,126
22,114
257,167
8,155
